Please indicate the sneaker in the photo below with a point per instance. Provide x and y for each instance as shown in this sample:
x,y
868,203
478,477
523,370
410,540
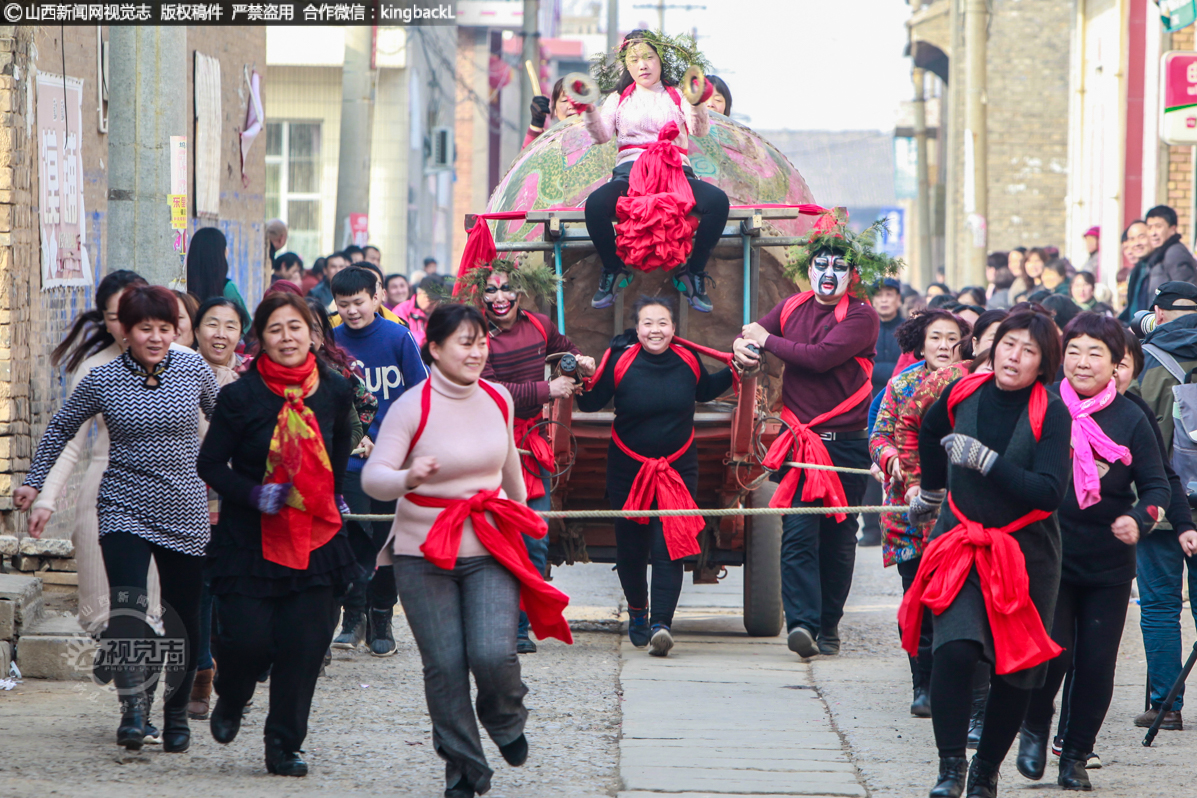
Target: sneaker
x,y
382,641
1093,761
1057,745
694,288
524,645
661,642
638,631
1172,720
153,736
353,630
604,297
802,642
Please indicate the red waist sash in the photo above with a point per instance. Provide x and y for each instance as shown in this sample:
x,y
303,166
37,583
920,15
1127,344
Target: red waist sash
x,y
1019,639
658,479
503,539
527,436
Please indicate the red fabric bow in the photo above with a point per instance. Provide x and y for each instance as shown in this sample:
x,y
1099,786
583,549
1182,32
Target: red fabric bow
x,y
527,436
504,540
655,230
1019,639
480,244
658,480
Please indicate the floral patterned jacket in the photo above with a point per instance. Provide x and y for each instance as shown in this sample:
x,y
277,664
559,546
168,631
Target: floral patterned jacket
x,y
903,540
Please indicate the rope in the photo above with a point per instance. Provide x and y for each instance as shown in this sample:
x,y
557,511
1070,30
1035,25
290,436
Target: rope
x,y
841,469
713,513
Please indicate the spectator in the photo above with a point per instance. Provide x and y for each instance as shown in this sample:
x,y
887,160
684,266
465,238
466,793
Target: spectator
x,y
430,267
276,237
1093,247
995,261
1055,277
1170,260
1082,289
999,297
1062,308
887,301
323,290
973,294
416,310
941,301
288,266
398,290
208,269
354,253
373,254
1015,261
314,276
1033,267
1135,248
937,289
721,100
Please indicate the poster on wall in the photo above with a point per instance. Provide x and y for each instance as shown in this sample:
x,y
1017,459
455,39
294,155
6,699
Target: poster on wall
x,y
60,182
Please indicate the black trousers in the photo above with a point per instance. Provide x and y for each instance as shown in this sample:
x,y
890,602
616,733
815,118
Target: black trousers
x,y
920,666
637,545
710,205
127,561
1088,625
952,676
375,588
289,635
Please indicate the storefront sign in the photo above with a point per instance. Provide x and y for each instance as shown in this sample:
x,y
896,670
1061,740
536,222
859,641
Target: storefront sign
x,y
1179,75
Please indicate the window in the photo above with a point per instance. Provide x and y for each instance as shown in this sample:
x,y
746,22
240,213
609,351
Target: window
x,y
293,183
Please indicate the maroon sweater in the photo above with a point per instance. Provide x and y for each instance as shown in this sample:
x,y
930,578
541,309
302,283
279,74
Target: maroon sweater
x,y
819,353
516,361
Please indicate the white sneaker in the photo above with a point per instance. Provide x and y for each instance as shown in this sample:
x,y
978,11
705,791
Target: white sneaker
x,y
661,642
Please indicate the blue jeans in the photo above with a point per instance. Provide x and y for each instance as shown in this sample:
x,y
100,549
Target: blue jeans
x,y
1161,569
538,548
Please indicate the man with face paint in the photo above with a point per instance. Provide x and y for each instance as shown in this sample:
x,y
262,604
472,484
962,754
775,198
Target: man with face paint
x,y
826,337
520,340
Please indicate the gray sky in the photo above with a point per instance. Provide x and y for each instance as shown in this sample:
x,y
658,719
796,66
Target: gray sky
x,y
800,64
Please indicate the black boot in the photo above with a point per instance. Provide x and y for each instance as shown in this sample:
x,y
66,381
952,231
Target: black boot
x,y
130,687
920,707
284,763
176,731
225,721
829,641
977,720
382,639
1073,775
982,779
1032,750
516,751
952,772
353,630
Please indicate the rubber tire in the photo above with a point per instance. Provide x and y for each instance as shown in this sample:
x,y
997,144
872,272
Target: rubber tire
x,y
764,615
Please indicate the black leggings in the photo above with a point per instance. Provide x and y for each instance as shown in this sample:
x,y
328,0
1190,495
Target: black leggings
x,y
951,700
635,545
710,205
127,560
1088,624
920,666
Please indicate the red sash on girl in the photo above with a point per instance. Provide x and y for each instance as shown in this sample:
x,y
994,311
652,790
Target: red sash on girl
x,y
1019,639
657,479
543,603
805,443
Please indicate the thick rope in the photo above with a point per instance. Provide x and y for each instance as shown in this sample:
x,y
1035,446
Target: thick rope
x,y
712,513
841,469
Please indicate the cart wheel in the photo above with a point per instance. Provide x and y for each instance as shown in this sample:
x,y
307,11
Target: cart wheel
x,y
763,612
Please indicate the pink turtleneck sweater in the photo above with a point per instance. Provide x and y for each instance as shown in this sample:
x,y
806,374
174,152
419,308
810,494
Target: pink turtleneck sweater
x,y
472,443
639,119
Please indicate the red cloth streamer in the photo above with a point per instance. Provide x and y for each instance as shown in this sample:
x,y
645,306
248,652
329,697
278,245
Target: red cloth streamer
x,y
527,436
967,386
1019,639
679,345
806,444
504,540
310,517
480,244
655,229
658,480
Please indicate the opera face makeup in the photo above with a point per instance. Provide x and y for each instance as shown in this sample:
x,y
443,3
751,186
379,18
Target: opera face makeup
x,y
829,274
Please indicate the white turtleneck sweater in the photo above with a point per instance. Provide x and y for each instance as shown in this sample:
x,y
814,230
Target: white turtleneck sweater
x,y
639,119
471,441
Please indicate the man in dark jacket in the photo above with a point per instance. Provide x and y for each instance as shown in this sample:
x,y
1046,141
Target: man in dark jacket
x,y
887,301
1162,555
1170,260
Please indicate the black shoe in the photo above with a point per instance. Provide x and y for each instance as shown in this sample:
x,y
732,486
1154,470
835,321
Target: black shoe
x,y
1032,751
977,720
604,297
176,733
131,731
638,629
920,707
693,287
802,642
982,779
829,641
460,790
353,630
225,722
515,753
1073,775
382,641
524,645
952,772
284,763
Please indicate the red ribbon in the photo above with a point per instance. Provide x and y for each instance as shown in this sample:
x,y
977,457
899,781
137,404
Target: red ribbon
x,y
1019,638
658,480
504,540
527,436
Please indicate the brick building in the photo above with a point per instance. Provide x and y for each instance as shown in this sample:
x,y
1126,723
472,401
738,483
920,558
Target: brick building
x,y
36,309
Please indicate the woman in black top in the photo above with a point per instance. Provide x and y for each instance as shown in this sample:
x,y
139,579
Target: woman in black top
x,y
655,383
277,570
1101,520
1000,443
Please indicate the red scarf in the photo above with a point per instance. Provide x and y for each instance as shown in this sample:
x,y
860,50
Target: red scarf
x,y
1019,638
503,539
655,228
310,517
805,443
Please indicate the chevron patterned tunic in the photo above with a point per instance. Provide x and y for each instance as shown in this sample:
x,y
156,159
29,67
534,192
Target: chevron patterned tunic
x,y
150,488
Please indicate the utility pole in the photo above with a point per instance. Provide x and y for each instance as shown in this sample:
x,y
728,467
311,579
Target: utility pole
x,y
531,53
357,123
976,177
926,271
612,26
661,6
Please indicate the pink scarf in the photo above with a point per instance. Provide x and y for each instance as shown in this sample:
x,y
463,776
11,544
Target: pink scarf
x,y
1087,438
